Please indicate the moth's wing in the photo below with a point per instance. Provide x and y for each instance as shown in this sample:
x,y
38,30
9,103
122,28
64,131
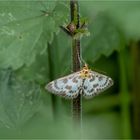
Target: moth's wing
x,y
67,86
96,84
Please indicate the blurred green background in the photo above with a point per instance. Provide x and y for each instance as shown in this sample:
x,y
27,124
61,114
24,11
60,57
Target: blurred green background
x,y
34,51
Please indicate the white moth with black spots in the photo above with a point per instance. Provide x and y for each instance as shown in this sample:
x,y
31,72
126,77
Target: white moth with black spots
x,y
86,82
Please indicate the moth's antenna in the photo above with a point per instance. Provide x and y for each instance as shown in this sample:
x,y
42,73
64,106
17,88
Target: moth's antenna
x,y
81,60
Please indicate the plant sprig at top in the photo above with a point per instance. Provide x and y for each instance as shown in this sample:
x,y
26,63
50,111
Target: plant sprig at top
x,y
86,82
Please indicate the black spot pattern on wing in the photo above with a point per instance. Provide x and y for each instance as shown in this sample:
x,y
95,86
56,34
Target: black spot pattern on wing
x,y
98,85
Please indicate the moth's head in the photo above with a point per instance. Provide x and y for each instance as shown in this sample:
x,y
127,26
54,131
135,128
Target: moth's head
x,y
85,72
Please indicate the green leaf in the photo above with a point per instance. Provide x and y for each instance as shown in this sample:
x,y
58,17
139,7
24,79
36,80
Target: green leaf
x,y
127,18
105,38
26,28
79,33
38,71
125,14
53,63
19,100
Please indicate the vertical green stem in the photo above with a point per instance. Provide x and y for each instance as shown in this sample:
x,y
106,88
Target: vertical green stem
x,y
136,89
124,97
51,74
76,103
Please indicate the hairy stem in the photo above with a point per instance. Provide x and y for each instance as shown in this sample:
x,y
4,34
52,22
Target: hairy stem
x,y
76,103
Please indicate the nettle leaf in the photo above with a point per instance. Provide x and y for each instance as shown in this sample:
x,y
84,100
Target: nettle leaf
x,y
126,14
38,71
19,100
51,63
104,39
127,18
26,28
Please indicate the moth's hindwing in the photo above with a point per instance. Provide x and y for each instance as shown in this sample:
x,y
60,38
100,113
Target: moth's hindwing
x,y
96,84
67,86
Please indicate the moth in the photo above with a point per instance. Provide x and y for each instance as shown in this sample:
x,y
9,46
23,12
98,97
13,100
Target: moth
x,y
86,82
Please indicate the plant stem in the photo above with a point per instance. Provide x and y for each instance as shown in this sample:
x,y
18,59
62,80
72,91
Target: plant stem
x,y
136,88
124,96
51,73
76,103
